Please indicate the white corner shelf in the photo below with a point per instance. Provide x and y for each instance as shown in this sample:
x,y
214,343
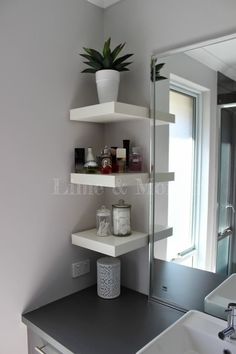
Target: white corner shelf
x,y
110,245
109,112
162,232
112,180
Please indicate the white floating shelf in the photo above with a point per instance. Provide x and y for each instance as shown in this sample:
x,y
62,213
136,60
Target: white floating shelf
x,y
110,245
112,180
117,112
109,112
161,232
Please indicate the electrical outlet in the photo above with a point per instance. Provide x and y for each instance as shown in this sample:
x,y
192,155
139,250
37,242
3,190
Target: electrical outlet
x,y
80,268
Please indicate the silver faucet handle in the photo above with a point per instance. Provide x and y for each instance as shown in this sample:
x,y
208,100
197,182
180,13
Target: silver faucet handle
x,y
231,308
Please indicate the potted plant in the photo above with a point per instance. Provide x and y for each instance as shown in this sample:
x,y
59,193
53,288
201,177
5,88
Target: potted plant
x,y
107,66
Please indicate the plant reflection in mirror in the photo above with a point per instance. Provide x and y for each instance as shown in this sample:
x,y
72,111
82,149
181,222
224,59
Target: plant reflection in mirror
x,y
155,70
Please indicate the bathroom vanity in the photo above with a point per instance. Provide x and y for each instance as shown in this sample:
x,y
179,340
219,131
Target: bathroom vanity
x,y
83,323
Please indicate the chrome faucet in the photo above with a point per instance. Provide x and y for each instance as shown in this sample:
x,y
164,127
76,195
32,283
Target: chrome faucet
x,y
230,331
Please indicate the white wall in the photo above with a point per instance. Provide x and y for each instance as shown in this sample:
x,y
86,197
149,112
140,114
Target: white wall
x,y
40,81
155,25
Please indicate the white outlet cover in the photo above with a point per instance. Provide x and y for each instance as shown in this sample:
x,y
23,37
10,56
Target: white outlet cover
x,y
80,268
103,3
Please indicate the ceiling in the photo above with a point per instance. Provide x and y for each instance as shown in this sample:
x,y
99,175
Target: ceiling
x,y
103,3
220,57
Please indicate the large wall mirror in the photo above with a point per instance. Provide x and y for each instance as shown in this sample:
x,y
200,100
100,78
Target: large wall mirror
x,y
200,89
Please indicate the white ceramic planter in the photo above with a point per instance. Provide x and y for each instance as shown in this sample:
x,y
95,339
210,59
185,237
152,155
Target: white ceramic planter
x,y
107,85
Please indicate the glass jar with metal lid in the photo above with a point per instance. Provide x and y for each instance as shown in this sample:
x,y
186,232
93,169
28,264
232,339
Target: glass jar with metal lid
x,y
121,214
103,221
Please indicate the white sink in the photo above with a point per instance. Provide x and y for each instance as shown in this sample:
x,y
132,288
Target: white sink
x,y
217,301
194,333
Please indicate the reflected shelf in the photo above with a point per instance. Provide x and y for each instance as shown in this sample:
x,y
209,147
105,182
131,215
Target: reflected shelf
x,y
162,232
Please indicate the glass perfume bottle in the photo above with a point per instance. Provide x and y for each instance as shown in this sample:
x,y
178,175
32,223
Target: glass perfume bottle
x,y
106,161
136,160
91,165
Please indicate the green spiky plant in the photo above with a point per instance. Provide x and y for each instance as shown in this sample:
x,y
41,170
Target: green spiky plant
x,y
108,59
155,70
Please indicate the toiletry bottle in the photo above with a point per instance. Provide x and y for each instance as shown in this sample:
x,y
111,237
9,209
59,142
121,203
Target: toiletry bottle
x,y
121,160
136,160
114,160
126,146
106,163
91,165
79,159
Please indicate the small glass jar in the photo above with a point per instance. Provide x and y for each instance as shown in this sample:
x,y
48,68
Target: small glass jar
x,y
121,214
103,221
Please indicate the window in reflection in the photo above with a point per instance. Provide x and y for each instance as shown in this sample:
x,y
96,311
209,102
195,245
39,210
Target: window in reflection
x,y
181,247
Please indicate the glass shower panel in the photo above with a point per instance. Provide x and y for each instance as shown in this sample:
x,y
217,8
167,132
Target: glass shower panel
x,y
225,175
223,248
225,199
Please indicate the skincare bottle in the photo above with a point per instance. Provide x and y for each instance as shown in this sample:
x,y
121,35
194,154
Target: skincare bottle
x,y
121,160
126,146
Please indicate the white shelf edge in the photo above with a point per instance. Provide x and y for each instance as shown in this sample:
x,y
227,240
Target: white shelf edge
x,y
164,177
119,179
109,112
111,245
116,112
162,232
112,180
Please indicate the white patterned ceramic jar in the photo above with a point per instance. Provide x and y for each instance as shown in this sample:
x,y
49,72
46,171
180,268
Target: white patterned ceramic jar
x,y
108,277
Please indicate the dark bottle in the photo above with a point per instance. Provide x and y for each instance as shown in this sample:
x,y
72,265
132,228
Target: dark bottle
x,y
79,159
114,159
126,145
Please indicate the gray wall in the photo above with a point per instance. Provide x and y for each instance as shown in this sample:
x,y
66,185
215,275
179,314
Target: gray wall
x,y
155,25
40,81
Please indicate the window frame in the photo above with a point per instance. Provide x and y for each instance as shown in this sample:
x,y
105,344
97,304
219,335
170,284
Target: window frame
x,y
193,251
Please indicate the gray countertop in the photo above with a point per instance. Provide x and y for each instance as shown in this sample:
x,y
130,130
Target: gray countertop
x,y
83,323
